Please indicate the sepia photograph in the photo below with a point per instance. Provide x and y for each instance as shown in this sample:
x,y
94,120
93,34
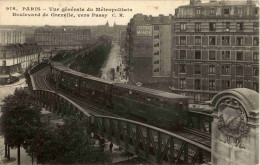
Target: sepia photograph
x,y
129,82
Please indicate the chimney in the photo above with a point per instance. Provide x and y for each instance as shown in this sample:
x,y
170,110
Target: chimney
x,y
193,2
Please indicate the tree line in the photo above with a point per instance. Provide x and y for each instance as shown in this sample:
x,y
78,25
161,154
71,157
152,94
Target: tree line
x,y
23,125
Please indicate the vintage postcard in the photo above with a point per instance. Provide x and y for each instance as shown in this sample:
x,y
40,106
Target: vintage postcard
x,y
129,82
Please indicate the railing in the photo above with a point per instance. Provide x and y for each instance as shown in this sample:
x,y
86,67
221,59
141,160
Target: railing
x,y
146,141
149,142
199,121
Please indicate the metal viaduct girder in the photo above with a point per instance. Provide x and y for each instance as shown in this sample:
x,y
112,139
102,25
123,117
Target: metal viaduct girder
x,y
151,143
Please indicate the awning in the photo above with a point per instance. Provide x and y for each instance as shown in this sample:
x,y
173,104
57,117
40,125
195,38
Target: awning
x,y
16,75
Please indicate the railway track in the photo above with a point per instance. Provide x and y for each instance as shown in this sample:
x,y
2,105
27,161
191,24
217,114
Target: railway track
x,y
95,109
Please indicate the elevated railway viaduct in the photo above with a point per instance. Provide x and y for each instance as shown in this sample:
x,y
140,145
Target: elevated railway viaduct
x,y
232,109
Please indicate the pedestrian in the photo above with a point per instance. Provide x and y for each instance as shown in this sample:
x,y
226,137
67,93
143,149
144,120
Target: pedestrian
x,y
111,146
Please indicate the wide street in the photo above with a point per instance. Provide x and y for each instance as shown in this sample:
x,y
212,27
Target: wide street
x,y
113,61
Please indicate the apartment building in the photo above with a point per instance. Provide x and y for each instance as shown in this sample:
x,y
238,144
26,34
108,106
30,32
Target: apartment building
x,y
215,47
148,46
15,58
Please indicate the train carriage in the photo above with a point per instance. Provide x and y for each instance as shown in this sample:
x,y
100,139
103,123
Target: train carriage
x,y
149,105
87,86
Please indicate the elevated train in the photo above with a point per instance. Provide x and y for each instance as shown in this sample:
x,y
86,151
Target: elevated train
x,y
151,106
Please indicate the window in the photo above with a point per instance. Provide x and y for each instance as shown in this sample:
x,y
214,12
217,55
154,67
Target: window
x,y
256,86
156,36
198,11
198,27
197,54
255,56
156,70
227,26
255,41
256,10
225,69
197,40
212,84
156,45
212,55
226,40
256,26
182,83
156,62
255,71
225,84
239,84
3,63
240,11
240,26
225,55
4,55
212,27
156,27
182,40
212,11
182,68
226,11
156,53
211,69
240,41
183,26
197,69
239,71
197,97
212,40
183,54
239,56
197,84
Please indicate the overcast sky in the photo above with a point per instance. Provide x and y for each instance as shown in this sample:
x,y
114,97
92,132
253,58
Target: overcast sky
x,y
154,8
147,7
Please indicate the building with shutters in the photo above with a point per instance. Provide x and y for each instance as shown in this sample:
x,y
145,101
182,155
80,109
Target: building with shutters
x,y
148,47
50,37
11,36
15,58
215,47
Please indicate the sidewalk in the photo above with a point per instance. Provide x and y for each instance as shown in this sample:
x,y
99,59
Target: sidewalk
x,y
25,159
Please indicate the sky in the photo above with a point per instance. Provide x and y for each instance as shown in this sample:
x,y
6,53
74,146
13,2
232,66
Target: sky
x,y
154,8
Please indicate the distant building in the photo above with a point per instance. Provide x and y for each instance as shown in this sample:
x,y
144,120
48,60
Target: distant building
x,y
15,58
215,47
11,36
122,40
62,37
149,49
113,31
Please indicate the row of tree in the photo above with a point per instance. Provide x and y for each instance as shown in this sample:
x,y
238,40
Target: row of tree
x,y
23,126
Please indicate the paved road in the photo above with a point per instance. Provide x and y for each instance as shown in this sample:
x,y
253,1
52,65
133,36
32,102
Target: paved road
x,y
114,60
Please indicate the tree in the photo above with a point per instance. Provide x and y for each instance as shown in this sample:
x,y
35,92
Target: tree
x,y
20,119
68,144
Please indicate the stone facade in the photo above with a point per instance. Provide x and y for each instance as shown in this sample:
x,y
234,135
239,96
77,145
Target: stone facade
x,y
11,36
16,58
235,127
62,37
215,47
149,49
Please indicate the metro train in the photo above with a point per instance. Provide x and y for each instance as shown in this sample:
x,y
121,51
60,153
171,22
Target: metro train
x,y
151,106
